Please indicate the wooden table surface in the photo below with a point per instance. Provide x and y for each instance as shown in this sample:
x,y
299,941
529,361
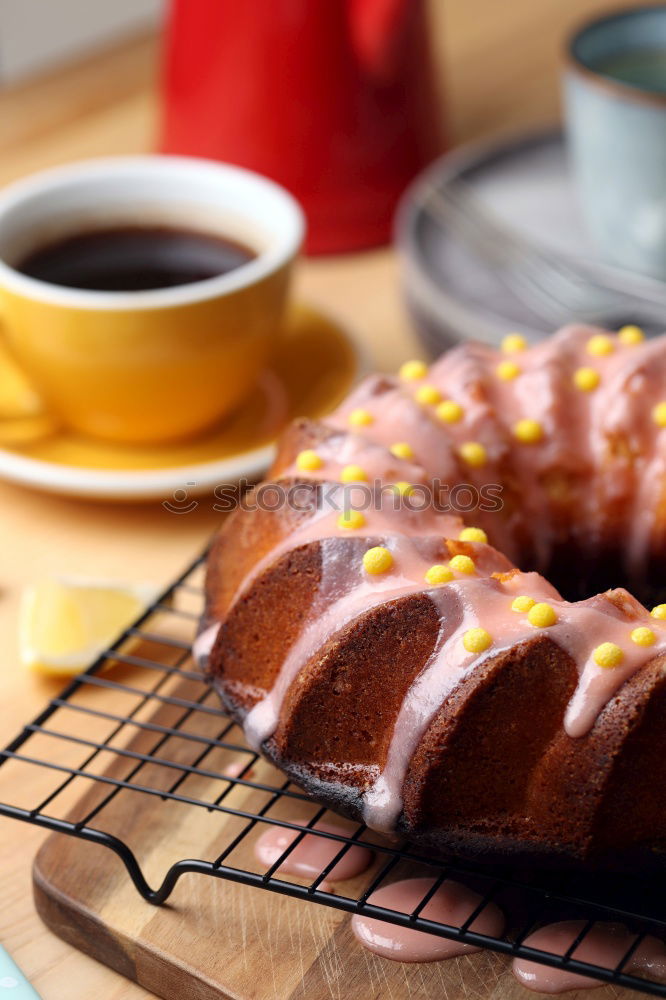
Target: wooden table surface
x,y
500,71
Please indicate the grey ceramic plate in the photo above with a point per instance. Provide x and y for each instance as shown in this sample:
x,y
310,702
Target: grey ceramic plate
x,y
454,295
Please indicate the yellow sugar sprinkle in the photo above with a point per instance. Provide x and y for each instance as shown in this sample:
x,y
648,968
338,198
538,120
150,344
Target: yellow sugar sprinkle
x,y
608,655
513,342
586,379
403,488
600,345
439,574
507,370
412,370
351,520
308,460
631,335
477,640
659,611
360,418
522,603
427,395
353,474
541,615
528,431
473,453
643,636
659,414
377,560
473,535
402,450
463,564
449,412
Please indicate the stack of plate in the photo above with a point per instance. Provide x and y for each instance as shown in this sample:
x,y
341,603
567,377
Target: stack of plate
x,y
458,288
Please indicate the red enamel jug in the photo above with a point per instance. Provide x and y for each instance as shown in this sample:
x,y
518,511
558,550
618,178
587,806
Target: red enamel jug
x,y
334,99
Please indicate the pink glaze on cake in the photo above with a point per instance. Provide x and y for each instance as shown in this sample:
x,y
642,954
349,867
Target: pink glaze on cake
x,y
378,463
451,904
309,858
601,440
604,945
385,516
586,435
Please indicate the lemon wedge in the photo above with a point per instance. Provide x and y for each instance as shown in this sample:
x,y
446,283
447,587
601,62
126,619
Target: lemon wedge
x,y
65,624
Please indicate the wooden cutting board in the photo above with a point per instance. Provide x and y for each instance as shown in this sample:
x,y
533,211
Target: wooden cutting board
x,y
217,939
214,938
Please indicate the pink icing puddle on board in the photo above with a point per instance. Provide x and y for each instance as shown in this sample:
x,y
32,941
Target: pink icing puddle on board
x,y
604,945
313,853
452,904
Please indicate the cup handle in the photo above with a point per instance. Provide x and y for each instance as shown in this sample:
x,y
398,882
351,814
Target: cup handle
x,y
23,415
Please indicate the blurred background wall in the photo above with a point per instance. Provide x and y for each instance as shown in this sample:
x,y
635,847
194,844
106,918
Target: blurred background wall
x,y
79,78
515,45
497,60
37,35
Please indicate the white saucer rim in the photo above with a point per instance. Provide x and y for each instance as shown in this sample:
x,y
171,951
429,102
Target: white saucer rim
x,y
146,484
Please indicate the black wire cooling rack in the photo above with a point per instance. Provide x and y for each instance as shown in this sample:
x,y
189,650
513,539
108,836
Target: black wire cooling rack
x,y
142,722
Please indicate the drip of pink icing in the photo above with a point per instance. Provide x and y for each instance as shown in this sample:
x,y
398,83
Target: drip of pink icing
x,y
238,768
203,644
262,720
446,668
604,945
313,853
451,904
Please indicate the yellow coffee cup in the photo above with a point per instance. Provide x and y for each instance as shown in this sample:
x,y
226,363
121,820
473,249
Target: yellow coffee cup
x,y
156,365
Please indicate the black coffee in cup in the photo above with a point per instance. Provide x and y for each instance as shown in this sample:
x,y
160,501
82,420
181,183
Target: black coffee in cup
x,y
134,258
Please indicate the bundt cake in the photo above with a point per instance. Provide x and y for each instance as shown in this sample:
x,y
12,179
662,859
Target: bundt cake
x,y
366,624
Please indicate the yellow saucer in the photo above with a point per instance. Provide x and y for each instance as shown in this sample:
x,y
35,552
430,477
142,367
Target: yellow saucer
x,y
315,367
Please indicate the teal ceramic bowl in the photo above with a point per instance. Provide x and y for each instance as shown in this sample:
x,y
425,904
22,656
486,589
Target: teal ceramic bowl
x,y
615,99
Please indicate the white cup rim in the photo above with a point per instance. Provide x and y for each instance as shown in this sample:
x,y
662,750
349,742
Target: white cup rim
x,y
283,246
